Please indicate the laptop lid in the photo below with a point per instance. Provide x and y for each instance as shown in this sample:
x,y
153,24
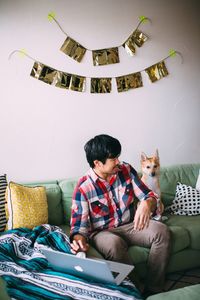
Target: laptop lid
x,y
87,268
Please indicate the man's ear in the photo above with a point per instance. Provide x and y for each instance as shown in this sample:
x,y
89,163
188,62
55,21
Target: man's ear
x,y
143,156
97,163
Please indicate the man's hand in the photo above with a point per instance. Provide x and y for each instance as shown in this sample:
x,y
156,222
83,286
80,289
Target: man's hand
x,y
143,213
79,244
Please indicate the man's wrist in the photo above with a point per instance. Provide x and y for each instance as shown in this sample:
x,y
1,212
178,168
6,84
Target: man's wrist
x,y
152,203
78,236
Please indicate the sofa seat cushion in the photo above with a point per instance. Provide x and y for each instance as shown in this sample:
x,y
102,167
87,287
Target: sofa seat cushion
x,y
138,254
191,224
190,292
180,238
180,241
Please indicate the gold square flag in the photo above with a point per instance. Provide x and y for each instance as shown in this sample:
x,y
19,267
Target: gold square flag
x,y
105,56
73,49
129,46
77,83
37,69
44,73
100,85
137,38
157,71
64,80
71,81
130,81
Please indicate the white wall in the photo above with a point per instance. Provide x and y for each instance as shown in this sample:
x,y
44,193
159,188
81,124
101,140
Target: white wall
x,y
44,128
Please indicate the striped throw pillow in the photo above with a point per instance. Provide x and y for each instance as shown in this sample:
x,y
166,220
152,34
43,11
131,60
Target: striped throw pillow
x,y
3,185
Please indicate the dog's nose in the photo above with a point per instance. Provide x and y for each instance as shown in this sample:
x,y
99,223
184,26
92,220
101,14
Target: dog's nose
x,y
153,174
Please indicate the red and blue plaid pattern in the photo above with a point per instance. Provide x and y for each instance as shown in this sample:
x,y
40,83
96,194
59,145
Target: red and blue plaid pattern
x,y
98,204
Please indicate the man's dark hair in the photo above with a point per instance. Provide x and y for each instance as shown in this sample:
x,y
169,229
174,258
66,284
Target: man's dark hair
x,y
102,147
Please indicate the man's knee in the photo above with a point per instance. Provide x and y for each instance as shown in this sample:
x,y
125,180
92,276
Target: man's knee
x,y
162,232
117,244
114,248
118,250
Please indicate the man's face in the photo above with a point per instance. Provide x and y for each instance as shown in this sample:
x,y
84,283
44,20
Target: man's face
x,y
111,166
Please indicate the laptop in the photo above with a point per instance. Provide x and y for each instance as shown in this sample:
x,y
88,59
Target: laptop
x,y
99,270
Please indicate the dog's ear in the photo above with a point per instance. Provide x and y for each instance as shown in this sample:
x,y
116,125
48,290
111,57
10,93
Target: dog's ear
x,y
143,156
156,154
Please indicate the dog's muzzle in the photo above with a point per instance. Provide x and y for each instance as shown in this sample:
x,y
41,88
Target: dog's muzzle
x,y
153,174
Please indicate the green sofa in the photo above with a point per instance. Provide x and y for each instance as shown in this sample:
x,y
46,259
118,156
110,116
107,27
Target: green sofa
x,y
184,229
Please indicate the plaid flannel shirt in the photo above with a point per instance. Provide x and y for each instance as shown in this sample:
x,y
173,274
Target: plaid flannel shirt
x,y
98,204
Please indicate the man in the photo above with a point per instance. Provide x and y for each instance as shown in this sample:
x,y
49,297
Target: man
x,y
104,214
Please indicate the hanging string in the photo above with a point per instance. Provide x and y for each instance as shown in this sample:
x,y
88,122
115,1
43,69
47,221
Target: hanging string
x,y
143,19
51,16
172,53
23,52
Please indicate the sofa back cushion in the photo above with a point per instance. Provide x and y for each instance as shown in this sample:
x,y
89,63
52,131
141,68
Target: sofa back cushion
x,y
67,187
170,176
54,201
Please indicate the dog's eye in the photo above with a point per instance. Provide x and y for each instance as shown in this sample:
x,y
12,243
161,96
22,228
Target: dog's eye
x,y
148,167
155,166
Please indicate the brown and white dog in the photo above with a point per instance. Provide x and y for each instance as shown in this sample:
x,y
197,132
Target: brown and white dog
x,y
150,167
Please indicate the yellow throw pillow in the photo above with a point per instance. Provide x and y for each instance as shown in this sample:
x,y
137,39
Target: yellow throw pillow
x,y
27,206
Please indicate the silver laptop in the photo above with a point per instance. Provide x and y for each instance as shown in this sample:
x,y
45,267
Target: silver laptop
x,y
87,268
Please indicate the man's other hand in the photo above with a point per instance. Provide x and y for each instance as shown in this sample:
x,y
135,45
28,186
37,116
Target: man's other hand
x,y
143,213
79,243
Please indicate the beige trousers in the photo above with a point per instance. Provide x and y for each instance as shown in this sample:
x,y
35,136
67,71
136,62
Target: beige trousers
x,y
113,244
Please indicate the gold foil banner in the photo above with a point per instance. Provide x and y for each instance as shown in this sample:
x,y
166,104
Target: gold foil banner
x,y
157,71
130,81
105,56
73,49
58,78
136,38
100,85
